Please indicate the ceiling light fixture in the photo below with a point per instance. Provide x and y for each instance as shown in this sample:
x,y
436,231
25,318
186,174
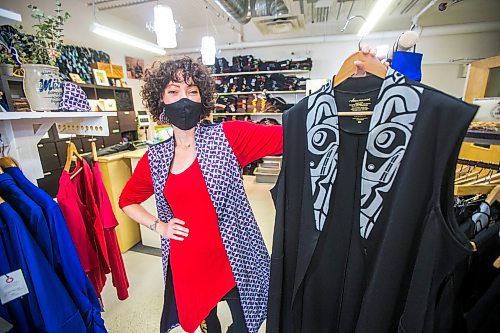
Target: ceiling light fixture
x,y
164,26
10,15
376,13
125,38
208,50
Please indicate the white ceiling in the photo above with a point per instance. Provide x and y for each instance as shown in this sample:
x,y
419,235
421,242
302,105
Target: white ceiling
x,y
193,14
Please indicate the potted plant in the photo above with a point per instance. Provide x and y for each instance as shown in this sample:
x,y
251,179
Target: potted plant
x,y
39,53
6,63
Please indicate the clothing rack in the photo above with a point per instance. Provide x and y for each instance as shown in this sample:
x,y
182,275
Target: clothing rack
x,y
478,164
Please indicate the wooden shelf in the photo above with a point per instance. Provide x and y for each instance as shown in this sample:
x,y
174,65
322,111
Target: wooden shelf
x,y
289,71
249,114
263,92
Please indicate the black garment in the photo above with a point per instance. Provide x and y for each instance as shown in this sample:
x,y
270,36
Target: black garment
x,y
233,301
366,250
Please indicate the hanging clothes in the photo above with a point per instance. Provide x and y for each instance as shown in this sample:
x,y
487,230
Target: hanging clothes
x,y
48,306
30,213
66,261
225,216
365,232
77,202
12,311
109,222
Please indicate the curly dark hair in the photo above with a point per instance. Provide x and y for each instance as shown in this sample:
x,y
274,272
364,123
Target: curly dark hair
x,y
185,69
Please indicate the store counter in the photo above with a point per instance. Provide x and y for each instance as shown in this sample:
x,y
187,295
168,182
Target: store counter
x,y
149,238
116,171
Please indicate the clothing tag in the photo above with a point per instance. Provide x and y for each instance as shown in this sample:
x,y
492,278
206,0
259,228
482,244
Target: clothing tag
x,y
12,286
360,119
360,104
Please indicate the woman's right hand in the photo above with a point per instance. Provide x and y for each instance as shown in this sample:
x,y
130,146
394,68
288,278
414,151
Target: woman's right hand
x,y
173,229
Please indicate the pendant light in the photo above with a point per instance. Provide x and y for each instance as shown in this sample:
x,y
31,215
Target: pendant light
x,y
165,27
208,49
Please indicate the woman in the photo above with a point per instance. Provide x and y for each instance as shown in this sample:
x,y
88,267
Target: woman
x,y
212,248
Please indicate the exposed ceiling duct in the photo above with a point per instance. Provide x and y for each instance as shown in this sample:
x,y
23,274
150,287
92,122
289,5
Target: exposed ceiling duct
x,y
237,9
243,10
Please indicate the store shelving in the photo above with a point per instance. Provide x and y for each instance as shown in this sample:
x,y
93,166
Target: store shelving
x,y
248,114
22,132
288,71
262,92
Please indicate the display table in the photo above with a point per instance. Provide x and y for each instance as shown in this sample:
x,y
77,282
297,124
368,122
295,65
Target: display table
x,y
149,237
116,171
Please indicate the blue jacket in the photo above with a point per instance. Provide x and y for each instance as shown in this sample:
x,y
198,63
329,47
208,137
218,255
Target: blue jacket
x,y
48,304
66,261
30,212
12,311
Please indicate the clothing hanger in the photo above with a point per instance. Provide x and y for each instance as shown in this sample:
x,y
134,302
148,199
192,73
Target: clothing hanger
x,y
1,199
489,179
348,69
8,162
493,196
467,177
72,150
94,152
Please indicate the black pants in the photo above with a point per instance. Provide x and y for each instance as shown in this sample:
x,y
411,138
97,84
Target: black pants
x,y
233,301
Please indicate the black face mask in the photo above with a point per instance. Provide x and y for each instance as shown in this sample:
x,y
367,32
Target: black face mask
x,y
184,113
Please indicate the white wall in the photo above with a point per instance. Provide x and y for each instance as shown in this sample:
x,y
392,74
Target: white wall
x,y
438,51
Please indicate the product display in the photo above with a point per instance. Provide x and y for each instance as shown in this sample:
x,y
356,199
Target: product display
x,y
35,240
91,223
345,248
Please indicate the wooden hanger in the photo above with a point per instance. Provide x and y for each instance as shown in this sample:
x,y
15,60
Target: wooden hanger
x,y
95,158
8,162
72,150
468,176
1,199
348,69
489,179
493,196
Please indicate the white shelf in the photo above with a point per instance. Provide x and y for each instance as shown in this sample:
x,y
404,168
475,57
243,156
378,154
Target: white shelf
x,y
21,132
249,114
263,92
288,71
51,115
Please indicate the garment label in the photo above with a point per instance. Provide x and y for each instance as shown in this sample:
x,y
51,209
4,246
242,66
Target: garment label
x,y
360,104
360,119
12,286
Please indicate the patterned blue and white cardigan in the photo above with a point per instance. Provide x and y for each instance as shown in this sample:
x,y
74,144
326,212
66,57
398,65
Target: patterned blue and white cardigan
x,y
243,242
